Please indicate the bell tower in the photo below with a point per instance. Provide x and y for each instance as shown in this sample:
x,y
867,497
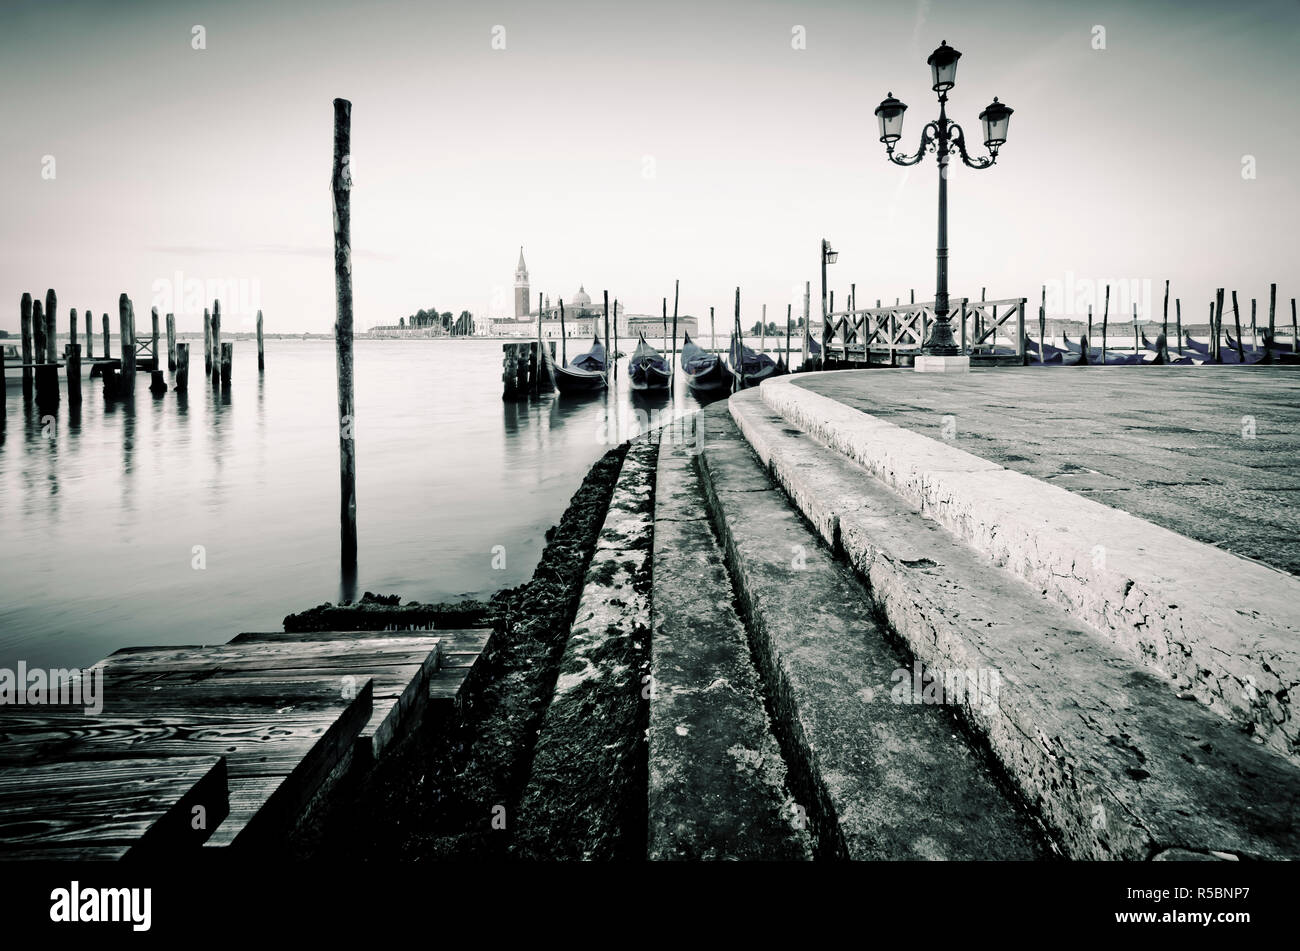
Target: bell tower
x,y
521,288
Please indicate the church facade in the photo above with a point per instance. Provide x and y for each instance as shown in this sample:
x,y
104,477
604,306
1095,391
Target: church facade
x,y
582,317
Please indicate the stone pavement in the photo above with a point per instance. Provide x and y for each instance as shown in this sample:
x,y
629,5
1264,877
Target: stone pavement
x,y
1208,452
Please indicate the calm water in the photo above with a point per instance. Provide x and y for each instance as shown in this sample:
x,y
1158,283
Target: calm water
x,y
100,514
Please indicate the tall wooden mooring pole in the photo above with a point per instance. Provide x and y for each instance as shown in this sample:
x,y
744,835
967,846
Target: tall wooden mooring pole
x,y
341,186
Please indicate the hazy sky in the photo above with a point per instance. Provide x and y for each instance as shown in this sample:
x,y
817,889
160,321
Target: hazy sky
x,y
1123,163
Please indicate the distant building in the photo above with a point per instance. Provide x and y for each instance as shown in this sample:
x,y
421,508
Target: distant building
x,y
521,287
582,318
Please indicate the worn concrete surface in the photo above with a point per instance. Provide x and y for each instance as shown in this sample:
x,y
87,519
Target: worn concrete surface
x,y
585,795
1116,764
1163,443
717,782
878,779
1224,629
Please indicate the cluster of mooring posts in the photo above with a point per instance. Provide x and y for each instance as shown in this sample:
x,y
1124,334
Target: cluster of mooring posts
x,y
41,360
994,332
1182,348
523,370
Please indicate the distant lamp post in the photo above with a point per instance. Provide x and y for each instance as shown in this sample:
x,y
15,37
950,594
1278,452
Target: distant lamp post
x,y
829,256
943,137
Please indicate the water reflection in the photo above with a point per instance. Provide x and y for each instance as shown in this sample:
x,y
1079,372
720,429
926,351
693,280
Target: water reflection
x,y
443,476
128,460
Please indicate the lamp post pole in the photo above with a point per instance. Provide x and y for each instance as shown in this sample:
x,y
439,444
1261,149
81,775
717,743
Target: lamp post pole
x,y
825,245
828,257
941,342
943,137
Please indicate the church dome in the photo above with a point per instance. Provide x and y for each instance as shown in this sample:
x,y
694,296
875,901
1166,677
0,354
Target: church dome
x,y
581,299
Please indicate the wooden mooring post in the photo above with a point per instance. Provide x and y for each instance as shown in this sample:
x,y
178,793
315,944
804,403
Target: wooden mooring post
x,y
672,380
1178,322
171,342
609,356
740,341
153,340
1105,321
227,362
1042,325
514,372
38,333
537,354
1216,326
544,379
25,314
107,355
74,359
126,343
51,327
261,358
564,345
341,189
1236,321
1272,328
615,357
216,343
1164,326
47,371
207,342
789,312
182,367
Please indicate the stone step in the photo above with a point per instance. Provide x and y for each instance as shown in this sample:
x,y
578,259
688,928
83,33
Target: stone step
x,y
1112,760
1139,584
717,782
878,779
585,794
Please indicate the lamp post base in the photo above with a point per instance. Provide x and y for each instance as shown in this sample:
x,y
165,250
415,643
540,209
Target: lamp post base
x,y
928,363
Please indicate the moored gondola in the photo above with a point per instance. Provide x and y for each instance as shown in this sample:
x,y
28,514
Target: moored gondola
x,y
648,370
1046,353
705,372
584,373
747,367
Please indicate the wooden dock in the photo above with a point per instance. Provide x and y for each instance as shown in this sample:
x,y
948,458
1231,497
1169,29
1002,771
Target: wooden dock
x,y
220,746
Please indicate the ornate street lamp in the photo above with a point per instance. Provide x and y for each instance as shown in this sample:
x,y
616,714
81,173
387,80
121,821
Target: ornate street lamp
x,y
943,136
829,256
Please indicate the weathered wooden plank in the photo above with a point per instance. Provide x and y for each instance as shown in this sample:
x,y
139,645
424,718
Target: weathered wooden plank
x,y
452,643
105,809
402,691
436,686
248,794
446,683
288,713
252,739
390,679
254,694
282,637
285,655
